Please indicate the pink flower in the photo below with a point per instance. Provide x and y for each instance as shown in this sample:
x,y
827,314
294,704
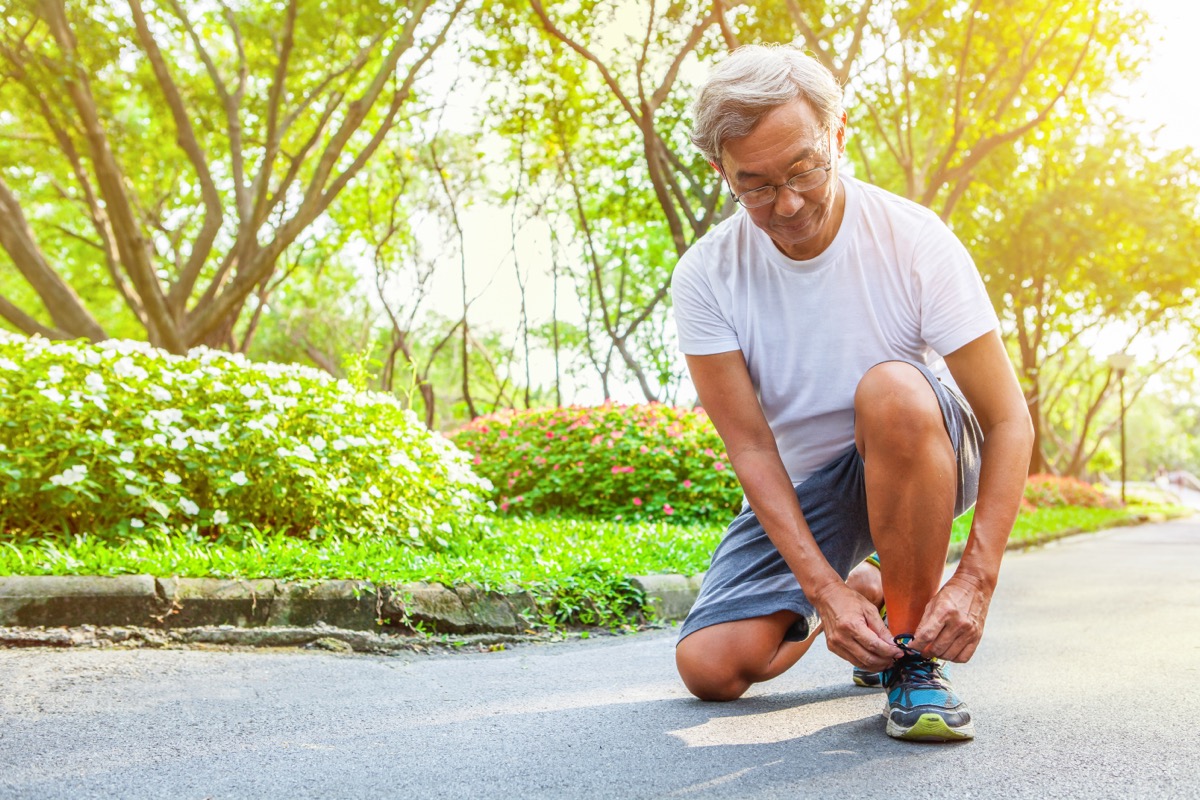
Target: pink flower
x,y
708,451
549,434
643,449
504,506
667,509
718,465
637,501
478,460
518,498
687,484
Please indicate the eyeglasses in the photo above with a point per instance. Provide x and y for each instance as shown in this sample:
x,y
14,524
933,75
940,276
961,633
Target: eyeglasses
x,y
804,182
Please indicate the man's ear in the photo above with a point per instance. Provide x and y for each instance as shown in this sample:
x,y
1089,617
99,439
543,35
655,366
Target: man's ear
x,y
715,166
840,138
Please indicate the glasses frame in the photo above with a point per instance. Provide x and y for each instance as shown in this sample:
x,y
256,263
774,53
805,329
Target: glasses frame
x,y
775,187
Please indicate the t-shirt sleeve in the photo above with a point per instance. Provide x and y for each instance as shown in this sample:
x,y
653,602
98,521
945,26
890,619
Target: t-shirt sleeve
x,y
955,308
701,326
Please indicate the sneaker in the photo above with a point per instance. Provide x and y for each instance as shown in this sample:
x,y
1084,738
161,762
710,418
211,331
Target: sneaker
x,y
921,703
864,678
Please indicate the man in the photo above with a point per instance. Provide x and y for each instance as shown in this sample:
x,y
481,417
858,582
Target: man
x,y
841,340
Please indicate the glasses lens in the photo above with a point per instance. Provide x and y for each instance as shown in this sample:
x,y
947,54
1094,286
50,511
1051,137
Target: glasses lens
x,y
807,181
757,197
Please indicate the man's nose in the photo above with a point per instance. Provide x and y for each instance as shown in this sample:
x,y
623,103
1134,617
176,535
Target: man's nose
x,y
788,201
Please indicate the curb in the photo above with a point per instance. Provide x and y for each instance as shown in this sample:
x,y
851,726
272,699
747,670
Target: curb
x,y
143,601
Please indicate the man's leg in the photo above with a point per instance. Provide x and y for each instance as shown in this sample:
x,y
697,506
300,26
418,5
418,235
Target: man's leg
x,y
911,475
911,482
722,661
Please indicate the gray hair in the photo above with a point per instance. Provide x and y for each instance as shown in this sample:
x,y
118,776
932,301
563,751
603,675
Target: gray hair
x,y
752,81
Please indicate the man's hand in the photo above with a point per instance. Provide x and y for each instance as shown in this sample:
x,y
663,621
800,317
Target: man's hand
x,y
952,623
853,629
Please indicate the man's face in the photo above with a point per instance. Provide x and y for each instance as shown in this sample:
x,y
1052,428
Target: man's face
x,y
787,141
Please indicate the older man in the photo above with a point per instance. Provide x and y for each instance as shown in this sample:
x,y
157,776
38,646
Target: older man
x,y
841,340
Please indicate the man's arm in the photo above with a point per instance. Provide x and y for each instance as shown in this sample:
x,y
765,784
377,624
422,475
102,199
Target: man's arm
x,y
852,626
953,621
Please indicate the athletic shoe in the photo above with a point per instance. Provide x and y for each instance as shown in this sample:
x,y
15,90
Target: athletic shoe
x,y
921,703
866,678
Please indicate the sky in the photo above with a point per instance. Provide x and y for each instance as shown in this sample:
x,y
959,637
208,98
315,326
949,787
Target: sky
x,y
1166,93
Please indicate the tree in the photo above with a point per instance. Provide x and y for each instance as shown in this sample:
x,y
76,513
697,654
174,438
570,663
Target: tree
x,y
1086,230
598,113
187,148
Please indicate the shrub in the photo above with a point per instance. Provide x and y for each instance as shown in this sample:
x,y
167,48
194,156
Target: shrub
x,y
114,438
612,461
1051,491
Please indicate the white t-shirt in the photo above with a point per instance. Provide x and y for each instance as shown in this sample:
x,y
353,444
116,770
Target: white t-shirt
x,y
894,283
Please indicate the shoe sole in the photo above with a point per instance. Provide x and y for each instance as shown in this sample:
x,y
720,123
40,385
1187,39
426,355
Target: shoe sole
x,y
931,728
867,683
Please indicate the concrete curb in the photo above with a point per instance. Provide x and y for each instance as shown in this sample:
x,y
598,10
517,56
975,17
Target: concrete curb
x,y
144,601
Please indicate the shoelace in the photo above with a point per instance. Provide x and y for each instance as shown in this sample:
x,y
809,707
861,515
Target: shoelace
x,y
920,671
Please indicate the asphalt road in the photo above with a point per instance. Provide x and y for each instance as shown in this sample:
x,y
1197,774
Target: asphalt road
x,y
1087,685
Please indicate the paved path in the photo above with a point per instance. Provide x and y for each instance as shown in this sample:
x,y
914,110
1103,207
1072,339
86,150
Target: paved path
x,y
1088,685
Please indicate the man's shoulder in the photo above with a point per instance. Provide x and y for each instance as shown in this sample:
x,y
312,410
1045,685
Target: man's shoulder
x,y
730,235
878,200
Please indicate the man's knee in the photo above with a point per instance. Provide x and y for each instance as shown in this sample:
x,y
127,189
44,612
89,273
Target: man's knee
x,y
709,676
894,403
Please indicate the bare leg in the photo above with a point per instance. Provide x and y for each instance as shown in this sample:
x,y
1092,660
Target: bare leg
x,y
722,661
911,482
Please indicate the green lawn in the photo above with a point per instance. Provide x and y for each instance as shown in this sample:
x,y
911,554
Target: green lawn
x,y
567,562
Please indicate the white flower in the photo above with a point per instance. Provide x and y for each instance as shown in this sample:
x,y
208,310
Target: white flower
x,y
125,369
70,476
445,528
188,507
220,517
56,373
53,394
171,478
317,443
95,383
239,478
247,391
179,443
9,365
136,523
133,490
305,452
160,394
108,437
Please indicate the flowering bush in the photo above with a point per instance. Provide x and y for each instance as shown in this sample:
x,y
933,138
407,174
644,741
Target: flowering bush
x,y
618,462
1048,491
119,437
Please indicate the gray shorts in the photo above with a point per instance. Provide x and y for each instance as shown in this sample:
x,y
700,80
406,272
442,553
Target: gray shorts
x,y
748,578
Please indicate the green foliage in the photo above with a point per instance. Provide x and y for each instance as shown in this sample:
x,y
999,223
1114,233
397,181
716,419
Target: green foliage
x,y
121,439
612,461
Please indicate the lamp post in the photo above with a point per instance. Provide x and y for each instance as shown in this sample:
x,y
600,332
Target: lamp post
x,y
1121,362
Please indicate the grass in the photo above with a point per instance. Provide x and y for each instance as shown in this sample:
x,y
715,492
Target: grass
x,y
578,569
1044,524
